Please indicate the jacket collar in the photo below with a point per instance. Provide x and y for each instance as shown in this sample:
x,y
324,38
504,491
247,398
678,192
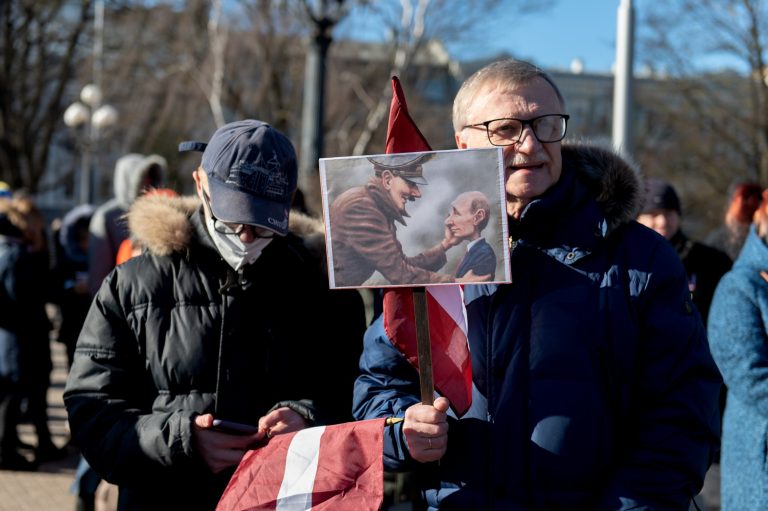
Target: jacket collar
x,y
754,253
165,225
598,192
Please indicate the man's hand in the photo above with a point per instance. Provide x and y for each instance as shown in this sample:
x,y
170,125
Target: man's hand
x,y
223,450
426,430
281,421
470,277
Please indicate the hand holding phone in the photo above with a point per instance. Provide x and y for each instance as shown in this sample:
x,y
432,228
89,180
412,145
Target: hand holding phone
x,y
234,428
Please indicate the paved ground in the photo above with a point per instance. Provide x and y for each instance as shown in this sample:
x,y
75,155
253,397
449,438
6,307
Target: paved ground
x,y
48,488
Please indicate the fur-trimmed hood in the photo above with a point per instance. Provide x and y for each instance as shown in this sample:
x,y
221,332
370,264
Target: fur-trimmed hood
x,y
161,224
616,181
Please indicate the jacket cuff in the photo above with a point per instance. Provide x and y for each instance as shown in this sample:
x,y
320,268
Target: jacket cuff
x,y
304,407
397,458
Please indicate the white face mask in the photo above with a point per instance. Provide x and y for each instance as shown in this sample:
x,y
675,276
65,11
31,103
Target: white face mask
x,y
236,253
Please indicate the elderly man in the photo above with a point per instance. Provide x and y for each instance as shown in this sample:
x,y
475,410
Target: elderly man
x,y
219,318
364,232
594,385
469,215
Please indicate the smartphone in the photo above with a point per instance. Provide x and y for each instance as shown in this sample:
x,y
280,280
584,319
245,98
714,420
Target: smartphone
x,y
234,428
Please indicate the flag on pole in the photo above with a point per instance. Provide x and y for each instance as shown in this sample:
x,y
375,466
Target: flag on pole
x,y
326,468
451,365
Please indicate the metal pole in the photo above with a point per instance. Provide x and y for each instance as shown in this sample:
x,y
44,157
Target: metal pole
x,y
93,131
85,168
98,44
623,79
313,115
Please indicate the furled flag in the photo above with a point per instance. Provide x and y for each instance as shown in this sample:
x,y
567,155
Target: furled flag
x,y
338,468
451,365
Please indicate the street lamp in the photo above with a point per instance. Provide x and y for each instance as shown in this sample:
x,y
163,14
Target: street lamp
x,y
93,116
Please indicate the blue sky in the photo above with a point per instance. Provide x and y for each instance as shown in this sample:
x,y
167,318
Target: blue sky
x,y
584,29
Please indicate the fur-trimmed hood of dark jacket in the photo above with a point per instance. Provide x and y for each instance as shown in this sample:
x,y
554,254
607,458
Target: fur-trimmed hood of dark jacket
x,y
616,181
161,225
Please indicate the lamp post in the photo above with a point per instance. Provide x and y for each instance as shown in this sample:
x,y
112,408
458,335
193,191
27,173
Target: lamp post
x,y
90,114
324,18
623,78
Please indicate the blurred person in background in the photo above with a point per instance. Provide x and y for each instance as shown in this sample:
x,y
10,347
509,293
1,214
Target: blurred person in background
x,y
70,273
743,202
738,338
16,277
704,265
37,363
5,190
134,174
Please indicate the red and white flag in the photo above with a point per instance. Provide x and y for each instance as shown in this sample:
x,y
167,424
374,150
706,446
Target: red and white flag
x,y
451,365
333,468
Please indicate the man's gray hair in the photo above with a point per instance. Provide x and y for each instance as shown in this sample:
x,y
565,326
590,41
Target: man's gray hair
x,y
504,73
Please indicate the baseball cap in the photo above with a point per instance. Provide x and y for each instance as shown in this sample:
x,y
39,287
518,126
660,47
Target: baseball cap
x,y
252,174
660,195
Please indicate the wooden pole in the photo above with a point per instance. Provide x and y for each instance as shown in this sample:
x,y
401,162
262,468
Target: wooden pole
x,y
423,346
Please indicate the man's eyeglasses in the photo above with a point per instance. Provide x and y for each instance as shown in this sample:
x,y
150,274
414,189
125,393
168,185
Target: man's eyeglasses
x,y
232,228
508,131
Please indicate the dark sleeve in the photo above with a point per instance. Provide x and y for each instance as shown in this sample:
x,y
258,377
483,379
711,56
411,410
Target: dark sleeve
x,y
108,396
386,387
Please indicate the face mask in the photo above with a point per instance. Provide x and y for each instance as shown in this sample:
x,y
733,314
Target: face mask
x,y
236,253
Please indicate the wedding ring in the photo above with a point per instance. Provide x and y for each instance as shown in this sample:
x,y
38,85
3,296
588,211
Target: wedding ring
x,y
429,441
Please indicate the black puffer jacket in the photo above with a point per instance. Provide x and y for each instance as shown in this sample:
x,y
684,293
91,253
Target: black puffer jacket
x,y
176,332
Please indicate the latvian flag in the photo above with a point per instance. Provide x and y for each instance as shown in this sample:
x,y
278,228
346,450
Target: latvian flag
x,y
451,363
337,467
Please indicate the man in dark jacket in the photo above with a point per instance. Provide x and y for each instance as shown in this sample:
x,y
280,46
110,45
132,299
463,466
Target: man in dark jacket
x,y
226,315
594,385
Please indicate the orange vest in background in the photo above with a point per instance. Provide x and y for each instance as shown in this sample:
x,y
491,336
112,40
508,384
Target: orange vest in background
x,y
125,251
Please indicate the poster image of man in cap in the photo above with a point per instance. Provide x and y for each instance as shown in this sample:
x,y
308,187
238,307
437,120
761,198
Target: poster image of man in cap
x,y
218,318
362,223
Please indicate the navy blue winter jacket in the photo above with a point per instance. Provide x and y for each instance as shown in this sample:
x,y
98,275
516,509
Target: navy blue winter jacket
x,y
594,385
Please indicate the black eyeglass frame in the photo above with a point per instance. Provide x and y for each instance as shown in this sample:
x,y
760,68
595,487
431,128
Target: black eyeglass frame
x,y
524,123
225,227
